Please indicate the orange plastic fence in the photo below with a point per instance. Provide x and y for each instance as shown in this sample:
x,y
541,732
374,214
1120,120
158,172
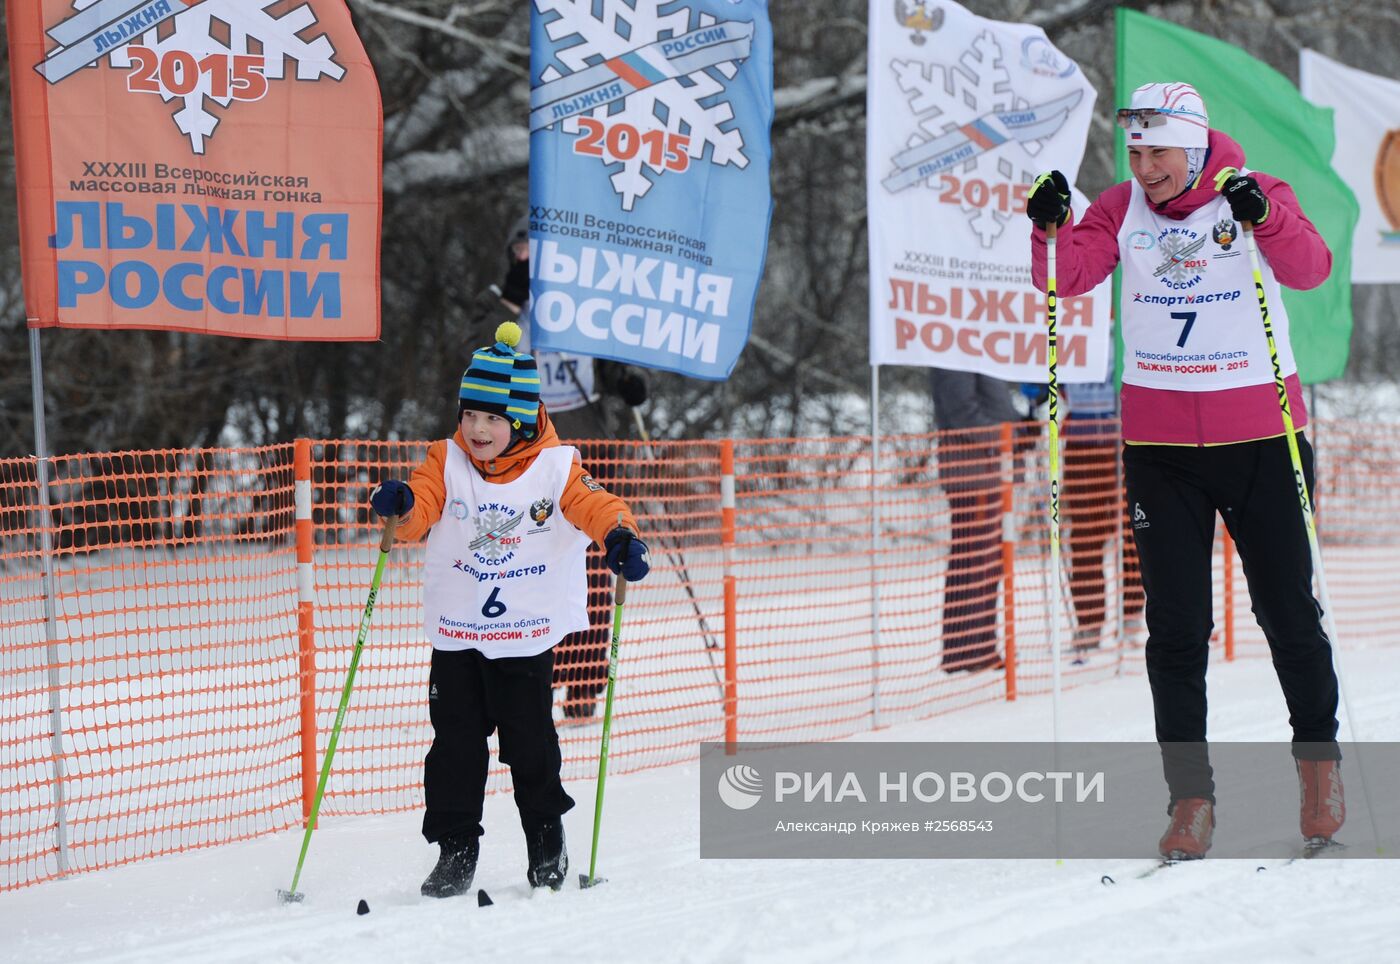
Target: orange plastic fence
x,y
180,689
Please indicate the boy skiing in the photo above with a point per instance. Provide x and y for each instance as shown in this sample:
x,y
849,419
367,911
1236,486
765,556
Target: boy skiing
x,y
509,513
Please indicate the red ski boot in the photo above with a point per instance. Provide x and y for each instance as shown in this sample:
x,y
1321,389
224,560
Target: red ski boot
x,y
1324,807
1188,835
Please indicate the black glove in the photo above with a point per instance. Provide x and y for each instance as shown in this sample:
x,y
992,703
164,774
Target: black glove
x,y
632,388
1247,200
391,497
627,554
1049,200
516,286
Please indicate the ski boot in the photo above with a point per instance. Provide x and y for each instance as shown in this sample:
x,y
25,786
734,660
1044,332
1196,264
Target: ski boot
x,y
455,868
1188,835
1323,807
545,853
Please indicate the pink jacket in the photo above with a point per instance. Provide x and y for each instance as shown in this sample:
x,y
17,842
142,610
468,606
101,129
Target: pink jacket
x,y
1087,252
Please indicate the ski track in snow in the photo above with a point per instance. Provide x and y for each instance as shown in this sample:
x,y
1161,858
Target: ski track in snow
x,y
661,902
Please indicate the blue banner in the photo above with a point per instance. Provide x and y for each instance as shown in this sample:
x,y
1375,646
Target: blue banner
x,y
649,199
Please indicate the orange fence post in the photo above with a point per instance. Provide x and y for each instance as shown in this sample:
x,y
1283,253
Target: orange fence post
x,y
306,623
731,597
1008,558
1229,597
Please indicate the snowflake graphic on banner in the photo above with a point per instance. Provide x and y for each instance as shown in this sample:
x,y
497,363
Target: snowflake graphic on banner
x,y
980,85
693,105
228,27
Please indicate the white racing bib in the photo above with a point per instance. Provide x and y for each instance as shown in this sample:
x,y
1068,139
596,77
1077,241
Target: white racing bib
x,y
1190,313
504,572
566,381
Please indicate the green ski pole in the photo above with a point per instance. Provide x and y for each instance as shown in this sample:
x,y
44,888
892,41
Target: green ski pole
x,y
386,542
591,879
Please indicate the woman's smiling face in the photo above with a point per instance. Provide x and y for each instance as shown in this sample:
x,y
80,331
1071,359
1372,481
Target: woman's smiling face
x,y
1160,170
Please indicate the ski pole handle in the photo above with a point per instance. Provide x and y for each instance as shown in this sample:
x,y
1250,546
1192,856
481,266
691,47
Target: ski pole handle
x,y
1225,174
386,540
620,584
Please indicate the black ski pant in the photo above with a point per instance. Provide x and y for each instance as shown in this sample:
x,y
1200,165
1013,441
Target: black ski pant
x,y
1174,493
469,696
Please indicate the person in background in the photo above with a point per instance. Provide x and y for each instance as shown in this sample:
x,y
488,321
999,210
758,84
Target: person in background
x,y
589,400
508,513
1089,502
967,407
1205,437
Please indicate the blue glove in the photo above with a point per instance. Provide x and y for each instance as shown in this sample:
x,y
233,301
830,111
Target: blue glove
x,y
391,497
627,554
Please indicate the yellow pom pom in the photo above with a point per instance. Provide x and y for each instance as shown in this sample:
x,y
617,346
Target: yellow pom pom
x,y
508,332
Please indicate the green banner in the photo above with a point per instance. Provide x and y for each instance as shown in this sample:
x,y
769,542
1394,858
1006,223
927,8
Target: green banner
x,y
1283,135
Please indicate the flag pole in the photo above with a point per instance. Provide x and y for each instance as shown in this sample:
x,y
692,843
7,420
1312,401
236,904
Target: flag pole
x,y
45,527
874,546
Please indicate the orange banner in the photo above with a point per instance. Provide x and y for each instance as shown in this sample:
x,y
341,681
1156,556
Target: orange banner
x,y
197,165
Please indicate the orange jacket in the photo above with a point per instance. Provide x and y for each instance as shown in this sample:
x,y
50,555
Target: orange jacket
x,y
586,504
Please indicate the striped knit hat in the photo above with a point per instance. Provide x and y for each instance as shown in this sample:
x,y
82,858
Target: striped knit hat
x,y
504,382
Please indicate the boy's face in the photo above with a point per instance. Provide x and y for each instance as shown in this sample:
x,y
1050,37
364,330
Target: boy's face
x,y
486,435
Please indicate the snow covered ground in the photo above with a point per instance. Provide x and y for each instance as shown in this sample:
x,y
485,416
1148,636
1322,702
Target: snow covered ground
x,y
662,902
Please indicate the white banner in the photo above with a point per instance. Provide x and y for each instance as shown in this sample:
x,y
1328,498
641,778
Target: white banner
x,y
1366,111
962,114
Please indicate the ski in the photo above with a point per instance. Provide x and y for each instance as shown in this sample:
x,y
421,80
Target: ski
x,y
1317,846
1162,864
483,899
1156,868
1312,848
